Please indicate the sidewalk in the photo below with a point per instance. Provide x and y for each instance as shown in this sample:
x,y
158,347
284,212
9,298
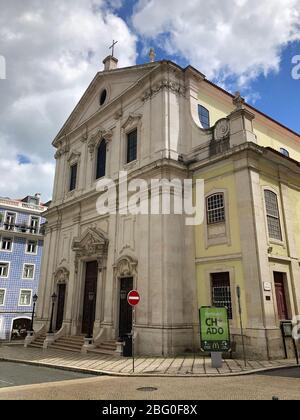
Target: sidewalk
x,y
187,366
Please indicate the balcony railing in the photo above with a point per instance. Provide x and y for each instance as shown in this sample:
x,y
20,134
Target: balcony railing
x,y
12,227
20,204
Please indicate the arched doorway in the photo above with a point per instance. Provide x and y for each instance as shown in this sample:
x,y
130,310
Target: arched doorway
x,y
126,280
61,278
19,328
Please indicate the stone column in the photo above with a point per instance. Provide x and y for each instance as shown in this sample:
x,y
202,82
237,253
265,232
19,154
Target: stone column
x,y
99,297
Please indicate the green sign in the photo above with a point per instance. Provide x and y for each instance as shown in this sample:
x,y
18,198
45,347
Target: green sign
x,y
215,333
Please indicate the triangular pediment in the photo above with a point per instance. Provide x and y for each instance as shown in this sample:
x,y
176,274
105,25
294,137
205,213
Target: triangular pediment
x,y
115,83
93,242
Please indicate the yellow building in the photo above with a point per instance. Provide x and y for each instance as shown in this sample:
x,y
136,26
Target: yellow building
x,y
251,233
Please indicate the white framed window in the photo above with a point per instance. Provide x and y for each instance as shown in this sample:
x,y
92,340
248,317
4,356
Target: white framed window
x,y
28,271
215,204
2,296
25,297
6,244
31,247
34,224
273,215
4,269
10,220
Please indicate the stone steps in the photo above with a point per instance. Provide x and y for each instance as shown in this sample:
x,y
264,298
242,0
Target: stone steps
x,y
73,344
38,342
107,347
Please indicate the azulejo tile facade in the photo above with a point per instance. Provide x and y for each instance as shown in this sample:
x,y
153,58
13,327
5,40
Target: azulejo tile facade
x,y
21,247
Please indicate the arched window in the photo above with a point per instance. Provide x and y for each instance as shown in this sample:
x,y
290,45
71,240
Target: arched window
x,y
215,208
204,116
273,216
101,160
284,152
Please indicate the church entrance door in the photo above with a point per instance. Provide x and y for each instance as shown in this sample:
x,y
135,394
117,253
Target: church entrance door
x,y
125,318
89,305
60,306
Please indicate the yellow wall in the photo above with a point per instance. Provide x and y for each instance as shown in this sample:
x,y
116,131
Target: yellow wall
x,y
269,182
237,279
221,177
221,107
294,197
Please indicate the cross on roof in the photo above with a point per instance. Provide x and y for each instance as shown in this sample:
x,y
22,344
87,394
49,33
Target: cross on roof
x,y
112,47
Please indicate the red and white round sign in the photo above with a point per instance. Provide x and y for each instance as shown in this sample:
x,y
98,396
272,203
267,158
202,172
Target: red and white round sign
x,y
133,298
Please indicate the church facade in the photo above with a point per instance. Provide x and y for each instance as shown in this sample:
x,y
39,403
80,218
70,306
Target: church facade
x,y
154,121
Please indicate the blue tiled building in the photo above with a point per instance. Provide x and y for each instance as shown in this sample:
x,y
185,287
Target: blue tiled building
x,y
21,247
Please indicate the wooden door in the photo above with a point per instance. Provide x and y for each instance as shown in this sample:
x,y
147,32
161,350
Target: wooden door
x,y
282,307
89,308
125,318
60,306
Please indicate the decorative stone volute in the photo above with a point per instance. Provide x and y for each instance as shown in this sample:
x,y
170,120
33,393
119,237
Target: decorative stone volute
x,y
222,129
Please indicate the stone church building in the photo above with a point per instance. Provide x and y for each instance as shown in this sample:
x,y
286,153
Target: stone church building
x,y
150,121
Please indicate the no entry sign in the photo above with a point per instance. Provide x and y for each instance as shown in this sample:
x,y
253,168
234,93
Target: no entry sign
x,y
133,298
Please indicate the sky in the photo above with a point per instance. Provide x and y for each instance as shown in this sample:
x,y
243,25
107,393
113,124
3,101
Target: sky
x,y
52,52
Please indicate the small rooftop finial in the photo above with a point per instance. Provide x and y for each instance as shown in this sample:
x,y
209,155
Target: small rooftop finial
x,y
152,55
238,101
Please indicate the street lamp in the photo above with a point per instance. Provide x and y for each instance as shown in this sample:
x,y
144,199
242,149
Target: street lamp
x,y
53,297
35,298
91,301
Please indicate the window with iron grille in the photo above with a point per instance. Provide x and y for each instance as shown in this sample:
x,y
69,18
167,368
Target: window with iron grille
x,y
73,177
215,209
204,116
132,146
221,292
273,216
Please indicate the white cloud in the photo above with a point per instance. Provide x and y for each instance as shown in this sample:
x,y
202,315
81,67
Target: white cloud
x,y
240,38
52,51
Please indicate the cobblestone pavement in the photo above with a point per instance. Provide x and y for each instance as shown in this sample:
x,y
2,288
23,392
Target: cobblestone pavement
x,y
191,365
107,388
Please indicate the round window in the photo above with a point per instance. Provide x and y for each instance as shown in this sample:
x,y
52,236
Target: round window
x,y
103,97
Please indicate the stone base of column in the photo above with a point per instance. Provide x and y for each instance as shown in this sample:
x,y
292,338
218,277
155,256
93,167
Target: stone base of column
x,y
50,339
88,345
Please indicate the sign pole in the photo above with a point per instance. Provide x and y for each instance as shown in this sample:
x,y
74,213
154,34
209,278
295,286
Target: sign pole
x,y
238,291
133,299
133,331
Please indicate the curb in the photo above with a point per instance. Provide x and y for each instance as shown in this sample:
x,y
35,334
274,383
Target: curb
x,y
145,375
